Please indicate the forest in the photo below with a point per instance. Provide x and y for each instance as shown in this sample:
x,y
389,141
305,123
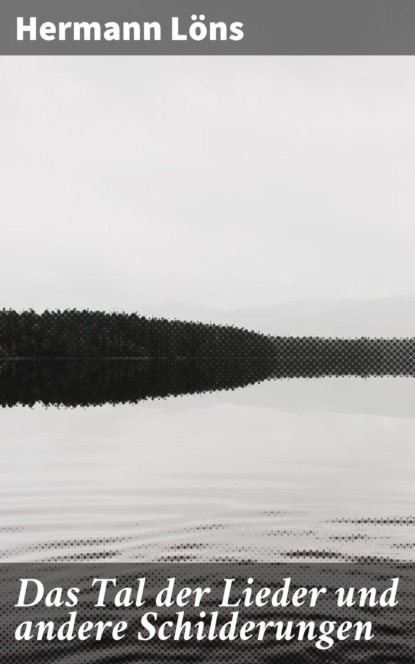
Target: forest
x,y
90,357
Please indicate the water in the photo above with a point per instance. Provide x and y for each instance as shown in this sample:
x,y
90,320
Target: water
x,y
289,470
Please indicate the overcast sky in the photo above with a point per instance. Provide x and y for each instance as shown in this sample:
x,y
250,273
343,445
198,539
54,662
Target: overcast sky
x,y
226,182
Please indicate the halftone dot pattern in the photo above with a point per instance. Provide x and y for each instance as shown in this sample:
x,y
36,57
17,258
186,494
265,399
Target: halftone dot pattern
x,y
335,539
84,358
392,627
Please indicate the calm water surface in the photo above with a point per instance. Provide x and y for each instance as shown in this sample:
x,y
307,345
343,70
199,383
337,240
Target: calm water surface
x,y
281,471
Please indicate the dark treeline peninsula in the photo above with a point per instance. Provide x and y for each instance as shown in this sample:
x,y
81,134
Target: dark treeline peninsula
x,y
89,358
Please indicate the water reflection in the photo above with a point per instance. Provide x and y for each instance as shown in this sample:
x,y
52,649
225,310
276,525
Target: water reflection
x,y
195,479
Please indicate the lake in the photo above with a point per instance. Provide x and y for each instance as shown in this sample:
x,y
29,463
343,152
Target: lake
x,y
285,470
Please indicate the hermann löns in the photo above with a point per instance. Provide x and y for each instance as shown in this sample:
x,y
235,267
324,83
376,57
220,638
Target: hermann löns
x,y
198,29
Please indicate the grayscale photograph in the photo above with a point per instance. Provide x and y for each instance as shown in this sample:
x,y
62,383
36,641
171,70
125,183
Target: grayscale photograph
x,y
207,324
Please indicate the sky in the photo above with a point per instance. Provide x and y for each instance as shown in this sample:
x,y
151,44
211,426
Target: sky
x,y
221,182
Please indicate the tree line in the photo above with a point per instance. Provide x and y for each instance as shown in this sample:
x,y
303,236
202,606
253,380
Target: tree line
x,y
82,358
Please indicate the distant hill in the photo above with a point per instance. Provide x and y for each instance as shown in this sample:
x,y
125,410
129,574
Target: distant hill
x,y
384,317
